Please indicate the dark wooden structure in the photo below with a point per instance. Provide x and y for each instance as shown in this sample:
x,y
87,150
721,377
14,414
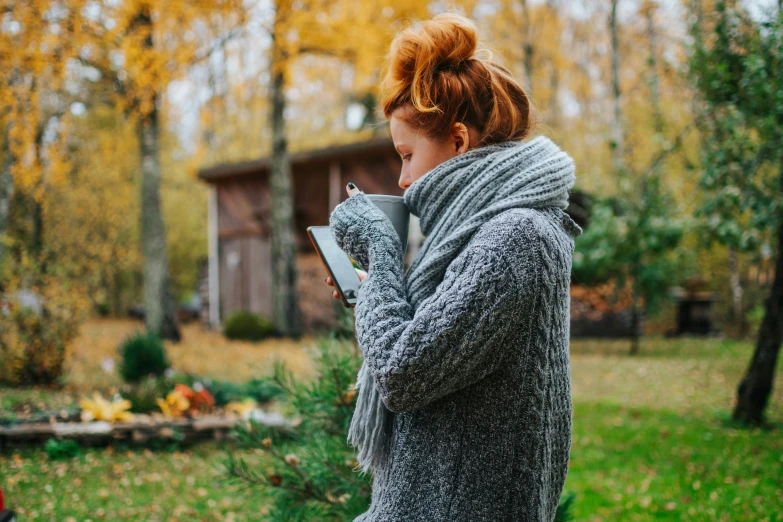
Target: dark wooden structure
x,y
239,277
694,303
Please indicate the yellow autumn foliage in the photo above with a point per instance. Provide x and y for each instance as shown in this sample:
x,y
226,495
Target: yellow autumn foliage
x,y
35,339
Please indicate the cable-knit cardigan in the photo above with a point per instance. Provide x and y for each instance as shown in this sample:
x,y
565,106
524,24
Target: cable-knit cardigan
x,y
480,379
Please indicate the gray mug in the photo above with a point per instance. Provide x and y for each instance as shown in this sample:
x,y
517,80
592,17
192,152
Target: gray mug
x,y
397,211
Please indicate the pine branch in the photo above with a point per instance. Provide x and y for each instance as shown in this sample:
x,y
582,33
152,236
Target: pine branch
x,y
319,441
349,478
242,471
340,395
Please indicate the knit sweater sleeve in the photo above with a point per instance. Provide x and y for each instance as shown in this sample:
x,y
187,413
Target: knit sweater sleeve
x,y
457,336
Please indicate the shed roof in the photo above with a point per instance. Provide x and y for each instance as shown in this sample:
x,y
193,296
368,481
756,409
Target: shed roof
x,y
326,154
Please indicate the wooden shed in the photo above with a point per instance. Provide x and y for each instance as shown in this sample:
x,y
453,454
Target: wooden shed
x,y
239,271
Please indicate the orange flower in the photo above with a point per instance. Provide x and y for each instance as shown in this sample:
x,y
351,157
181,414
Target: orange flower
x,y
200,400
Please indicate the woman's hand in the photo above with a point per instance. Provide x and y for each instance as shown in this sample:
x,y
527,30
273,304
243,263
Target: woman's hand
x,y
352,191
361,273
358,225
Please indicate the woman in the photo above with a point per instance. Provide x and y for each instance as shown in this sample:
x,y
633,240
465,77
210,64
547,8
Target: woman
x,y
464,396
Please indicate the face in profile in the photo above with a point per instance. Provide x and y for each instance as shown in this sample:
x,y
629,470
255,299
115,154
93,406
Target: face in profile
x,y
419,153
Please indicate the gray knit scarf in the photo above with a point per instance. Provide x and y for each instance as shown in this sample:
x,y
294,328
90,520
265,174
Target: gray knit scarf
x,y
452,201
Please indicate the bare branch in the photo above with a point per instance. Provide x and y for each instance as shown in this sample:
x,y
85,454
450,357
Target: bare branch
x,y
663,154
218,45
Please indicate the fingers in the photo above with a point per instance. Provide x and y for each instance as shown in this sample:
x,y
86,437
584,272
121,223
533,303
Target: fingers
x,y
362,276
329,282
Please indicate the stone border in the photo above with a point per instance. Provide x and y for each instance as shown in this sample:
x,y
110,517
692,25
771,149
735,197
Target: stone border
x,y
142,429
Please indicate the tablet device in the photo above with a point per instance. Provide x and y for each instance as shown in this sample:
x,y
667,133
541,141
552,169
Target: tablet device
x,y
337,263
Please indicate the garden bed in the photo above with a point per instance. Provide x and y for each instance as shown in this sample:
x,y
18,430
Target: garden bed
x,y
140,430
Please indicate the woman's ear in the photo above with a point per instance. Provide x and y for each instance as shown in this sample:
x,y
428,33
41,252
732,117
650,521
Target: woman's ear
x,y
459,133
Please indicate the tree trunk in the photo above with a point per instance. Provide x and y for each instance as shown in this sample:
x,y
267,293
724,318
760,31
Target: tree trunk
x,y
635,311
285,306
554,104
38,221
736,292
617,121
527,47
635,327
6,193
655,91
618,164
38,230
554,78
160,307
116,285
756,387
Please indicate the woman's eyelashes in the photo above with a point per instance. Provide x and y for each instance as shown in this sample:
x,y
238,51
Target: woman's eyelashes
x,y
406,156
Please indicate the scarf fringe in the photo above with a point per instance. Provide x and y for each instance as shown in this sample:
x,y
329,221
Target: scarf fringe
x,y
371,422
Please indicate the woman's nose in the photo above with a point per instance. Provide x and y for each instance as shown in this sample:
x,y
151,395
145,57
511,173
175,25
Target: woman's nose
x,y
404,183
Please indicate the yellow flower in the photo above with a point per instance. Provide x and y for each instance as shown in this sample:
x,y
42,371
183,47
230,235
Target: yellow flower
x,y
175,404
242,408
99,408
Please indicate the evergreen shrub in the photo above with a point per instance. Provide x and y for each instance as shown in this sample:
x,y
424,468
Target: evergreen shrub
x,y
142,354
247,326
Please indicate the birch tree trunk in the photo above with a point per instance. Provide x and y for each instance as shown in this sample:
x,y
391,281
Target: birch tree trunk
x,y
285,306
617,121
160,305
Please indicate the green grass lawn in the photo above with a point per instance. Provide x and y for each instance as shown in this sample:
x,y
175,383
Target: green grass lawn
x,y
652,441
638,464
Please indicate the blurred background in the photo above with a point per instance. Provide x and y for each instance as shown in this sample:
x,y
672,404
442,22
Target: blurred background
x,y
161,162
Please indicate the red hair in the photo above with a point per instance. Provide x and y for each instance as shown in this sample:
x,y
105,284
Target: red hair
x,y
436,68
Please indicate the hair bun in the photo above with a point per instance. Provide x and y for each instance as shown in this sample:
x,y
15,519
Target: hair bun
x,y
439,68
448,40
421,51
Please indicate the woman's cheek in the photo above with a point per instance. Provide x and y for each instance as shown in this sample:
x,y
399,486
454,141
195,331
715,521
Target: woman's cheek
x,y
418,168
